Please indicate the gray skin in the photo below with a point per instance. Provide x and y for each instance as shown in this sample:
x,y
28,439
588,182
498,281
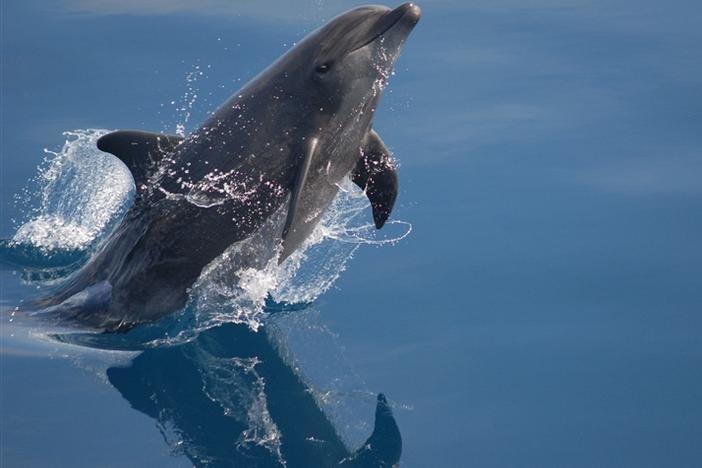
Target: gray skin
x,y
284,141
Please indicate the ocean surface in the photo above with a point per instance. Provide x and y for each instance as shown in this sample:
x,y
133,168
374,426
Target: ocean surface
x,y
535,302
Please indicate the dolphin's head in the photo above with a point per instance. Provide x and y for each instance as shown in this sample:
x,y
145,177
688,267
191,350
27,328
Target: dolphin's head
x,y
353,55
352,40
342,68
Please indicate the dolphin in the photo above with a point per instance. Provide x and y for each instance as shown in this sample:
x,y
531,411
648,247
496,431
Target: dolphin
x,y
277,149
207,390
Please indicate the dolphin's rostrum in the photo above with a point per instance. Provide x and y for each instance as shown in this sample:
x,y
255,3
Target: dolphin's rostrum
x,y
280,145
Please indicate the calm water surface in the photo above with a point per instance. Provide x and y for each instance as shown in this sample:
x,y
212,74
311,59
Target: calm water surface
x,y
544,311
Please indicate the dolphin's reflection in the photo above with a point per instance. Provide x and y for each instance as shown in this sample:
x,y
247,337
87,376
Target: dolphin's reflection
x,y
229,399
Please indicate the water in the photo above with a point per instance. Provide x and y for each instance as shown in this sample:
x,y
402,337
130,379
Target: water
x,y
543,310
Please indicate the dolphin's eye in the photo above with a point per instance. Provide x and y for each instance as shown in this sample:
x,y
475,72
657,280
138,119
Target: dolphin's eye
x,y
323,68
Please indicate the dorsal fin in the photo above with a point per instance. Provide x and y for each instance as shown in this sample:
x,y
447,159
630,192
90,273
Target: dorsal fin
x,y
375,174
139,151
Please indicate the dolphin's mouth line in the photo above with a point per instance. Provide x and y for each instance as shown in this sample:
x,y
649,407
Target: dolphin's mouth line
x,y
384,30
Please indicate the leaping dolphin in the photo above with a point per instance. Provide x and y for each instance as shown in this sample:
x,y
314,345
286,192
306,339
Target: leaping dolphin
x,y
284,141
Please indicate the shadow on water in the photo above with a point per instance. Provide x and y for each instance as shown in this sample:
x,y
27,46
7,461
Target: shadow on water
x,y
228,399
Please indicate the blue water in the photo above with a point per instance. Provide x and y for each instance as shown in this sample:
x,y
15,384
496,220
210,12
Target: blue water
x,y
543,311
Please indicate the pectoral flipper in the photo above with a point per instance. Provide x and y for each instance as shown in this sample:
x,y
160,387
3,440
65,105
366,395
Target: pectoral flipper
x,y
375,174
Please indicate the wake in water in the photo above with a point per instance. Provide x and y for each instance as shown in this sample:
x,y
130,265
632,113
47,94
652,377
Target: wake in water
x,y
83,193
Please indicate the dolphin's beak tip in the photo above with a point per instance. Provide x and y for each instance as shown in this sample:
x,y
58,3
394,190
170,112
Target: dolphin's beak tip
x,y
412,11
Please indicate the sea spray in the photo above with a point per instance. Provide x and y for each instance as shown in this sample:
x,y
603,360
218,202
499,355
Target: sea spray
x,y
81,194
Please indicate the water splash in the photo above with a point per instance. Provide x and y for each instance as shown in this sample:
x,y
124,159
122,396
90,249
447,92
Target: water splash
x,y
82,193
